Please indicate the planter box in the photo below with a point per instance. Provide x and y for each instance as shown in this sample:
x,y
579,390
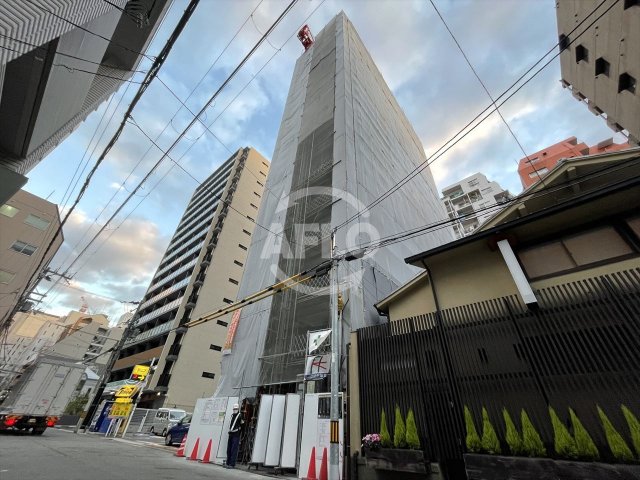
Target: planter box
x,y
396,459
496,467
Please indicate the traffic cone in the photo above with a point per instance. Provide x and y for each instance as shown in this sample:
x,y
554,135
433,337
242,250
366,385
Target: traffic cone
x,y
323,466
207,454
311,473
194,452
183,444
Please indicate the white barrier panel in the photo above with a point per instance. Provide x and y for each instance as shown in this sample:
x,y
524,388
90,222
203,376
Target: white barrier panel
x,y
196,429
207,423
316,432
262,430
221,456
290,434
274,439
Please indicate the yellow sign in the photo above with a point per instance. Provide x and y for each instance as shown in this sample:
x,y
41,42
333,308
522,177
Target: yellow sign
x,y
126,391
123,400
120,410
140,372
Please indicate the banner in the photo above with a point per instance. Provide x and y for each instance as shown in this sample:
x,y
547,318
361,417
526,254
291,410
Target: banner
x,y
231,333
317,367
316,339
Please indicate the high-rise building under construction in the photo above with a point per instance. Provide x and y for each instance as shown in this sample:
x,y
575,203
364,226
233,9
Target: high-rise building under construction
x,y
343,142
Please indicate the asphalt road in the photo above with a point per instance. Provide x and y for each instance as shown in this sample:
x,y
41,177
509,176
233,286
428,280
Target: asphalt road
x,y
61,455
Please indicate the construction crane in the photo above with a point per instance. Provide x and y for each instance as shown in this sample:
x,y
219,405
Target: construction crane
x,y
305,37
84,308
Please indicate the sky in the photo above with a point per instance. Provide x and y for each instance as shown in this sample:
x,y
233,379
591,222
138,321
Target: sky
x,y
410,45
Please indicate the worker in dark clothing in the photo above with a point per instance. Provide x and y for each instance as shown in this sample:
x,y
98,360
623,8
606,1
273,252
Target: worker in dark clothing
x,y
235,428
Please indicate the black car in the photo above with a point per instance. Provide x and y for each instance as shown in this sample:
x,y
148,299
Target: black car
x,y
177,432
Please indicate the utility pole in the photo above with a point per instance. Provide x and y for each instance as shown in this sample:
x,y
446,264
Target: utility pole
x,y
105,376
334,446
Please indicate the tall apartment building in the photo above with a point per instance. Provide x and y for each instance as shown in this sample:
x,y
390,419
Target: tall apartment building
x,y
472,201
27,225
343,142
537,165
53,72
602,67
199,272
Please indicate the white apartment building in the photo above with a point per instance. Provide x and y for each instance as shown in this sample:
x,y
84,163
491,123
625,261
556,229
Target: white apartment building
x,y
472,201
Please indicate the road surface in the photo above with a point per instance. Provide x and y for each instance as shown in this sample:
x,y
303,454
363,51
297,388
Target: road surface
x,y
62,455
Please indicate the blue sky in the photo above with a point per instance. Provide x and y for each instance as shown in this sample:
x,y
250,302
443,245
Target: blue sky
x,y
415,54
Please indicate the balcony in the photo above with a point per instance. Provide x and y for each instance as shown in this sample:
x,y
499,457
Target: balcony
x,y
156,313
182,269
164,293
154,332
186,254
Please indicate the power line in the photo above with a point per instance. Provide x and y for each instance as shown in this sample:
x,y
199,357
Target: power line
x,y
165,153
151,74
466,58
444,148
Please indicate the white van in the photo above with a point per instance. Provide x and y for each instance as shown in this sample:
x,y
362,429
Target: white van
x,y
164,419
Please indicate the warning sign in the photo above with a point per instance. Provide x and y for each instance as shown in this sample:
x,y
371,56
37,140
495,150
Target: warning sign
x,y
126,391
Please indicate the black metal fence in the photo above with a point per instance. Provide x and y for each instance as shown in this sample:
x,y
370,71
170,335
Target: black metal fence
x,y
580,349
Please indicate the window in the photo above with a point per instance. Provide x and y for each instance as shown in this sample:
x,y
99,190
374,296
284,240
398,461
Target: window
x,y
8,210
482,353
246,231
238,263
542,171
262,173
242,246
37,222
265,164
217,348
602,67
24,248
630,3
226,300
582,53
574,251
563,42
261,184
257,194
6,277
626,82
235,282
250,218
208,375
222,323
254,206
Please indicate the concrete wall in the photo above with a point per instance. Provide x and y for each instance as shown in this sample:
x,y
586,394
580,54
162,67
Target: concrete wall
x,y
14,229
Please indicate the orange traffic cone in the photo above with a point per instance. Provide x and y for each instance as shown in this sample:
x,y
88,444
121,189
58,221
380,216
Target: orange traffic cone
x,y
180,452
323,466
207,454
194,452
311,473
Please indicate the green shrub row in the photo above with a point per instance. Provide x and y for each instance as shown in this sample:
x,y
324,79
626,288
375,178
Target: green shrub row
x,y
403,436
580,445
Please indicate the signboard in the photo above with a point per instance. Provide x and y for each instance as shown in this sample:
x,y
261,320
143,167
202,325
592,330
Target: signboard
x,y
317,367
140,372
231,333
120,410
126,391
123,400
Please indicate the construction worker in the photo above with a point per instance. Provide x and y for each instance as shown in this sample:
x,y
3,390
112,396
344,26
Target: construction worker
x,y
235,428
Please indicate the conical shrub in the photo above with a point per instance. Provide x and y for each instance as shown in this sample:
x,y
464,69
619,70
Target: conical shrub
x,y
399,432
514,440
585,445
490,442
531,442
413,440
618,446
563,442
385,438
474,445
634,428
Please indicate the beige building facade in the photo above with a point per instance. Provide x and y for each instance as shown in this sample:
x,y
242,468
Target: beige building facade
x,y
602,66
27,224
200,272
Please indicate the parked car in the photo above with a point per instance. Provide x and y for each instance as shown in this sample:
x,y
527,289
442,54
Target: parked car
x,y
164,419
176,434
